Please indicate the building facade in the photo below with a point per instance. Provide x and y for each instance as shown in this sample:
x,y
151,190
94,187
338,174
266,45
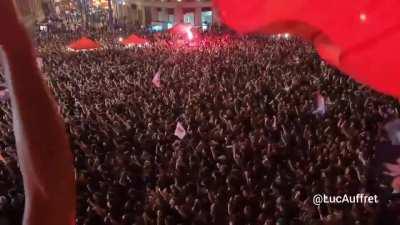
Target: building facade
x,y
163,14
158,14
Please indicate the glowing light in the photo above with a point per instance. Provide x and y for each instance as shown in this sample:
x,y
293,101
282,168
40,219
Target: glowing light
x,y
120,39
287,35
363,17
189,33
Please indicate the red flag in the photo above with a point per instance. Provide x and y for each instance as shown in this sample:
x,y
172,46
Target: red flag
x,y
156,79
180,131
362,42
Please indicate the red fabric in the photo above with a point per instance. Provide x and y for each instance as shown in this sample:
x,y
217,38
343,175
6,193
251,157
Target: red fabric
x,y
361,38
134,40
84,44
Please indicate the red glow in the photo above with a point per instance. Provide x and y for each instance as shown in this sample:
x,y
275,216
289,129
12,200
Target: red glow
x,y
134,40
183,31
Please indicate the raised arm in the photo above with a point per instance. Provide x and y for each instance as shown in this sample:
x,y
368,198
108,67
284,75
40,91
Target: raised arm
x,y
44,154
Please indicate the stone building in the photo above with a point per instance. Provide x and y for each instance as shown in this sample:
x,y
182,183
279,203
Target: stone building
x,y
166,13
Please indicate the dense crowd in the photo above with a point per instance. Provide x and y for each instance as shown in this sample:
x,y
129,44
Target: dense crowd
x,y
254,153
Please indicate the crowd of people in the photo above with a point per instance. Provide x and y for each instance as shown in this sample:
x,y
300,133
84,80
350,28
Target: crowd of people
x,y
254,153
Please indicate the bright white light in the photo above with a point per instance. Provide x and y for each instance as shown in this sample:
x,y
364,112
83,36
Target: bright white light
x,y
189,33
120,39
287,35
363,17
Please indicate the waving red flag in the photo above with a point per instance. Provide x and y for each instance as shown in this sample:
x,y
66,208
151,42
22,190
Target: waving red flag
x,y
359,37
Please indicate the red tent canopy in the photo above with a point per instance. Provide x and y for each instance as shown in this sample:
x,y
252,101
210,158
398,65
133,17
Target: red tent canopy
x,y
134,40
84,44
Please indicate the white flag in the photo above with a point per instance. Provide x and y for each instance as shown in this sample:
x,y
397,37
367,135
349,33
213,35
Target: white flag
x,y
320,103
180,131
393,130
156,79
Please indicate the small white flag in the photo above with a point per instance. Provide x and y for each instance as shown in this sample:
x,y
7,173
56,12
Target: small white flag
x,y
320,103
393,130
156,79
180,131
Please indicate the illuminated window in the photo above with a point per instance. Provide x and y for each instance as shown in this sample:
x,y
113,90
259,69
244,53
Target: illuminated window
x,y
188,18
